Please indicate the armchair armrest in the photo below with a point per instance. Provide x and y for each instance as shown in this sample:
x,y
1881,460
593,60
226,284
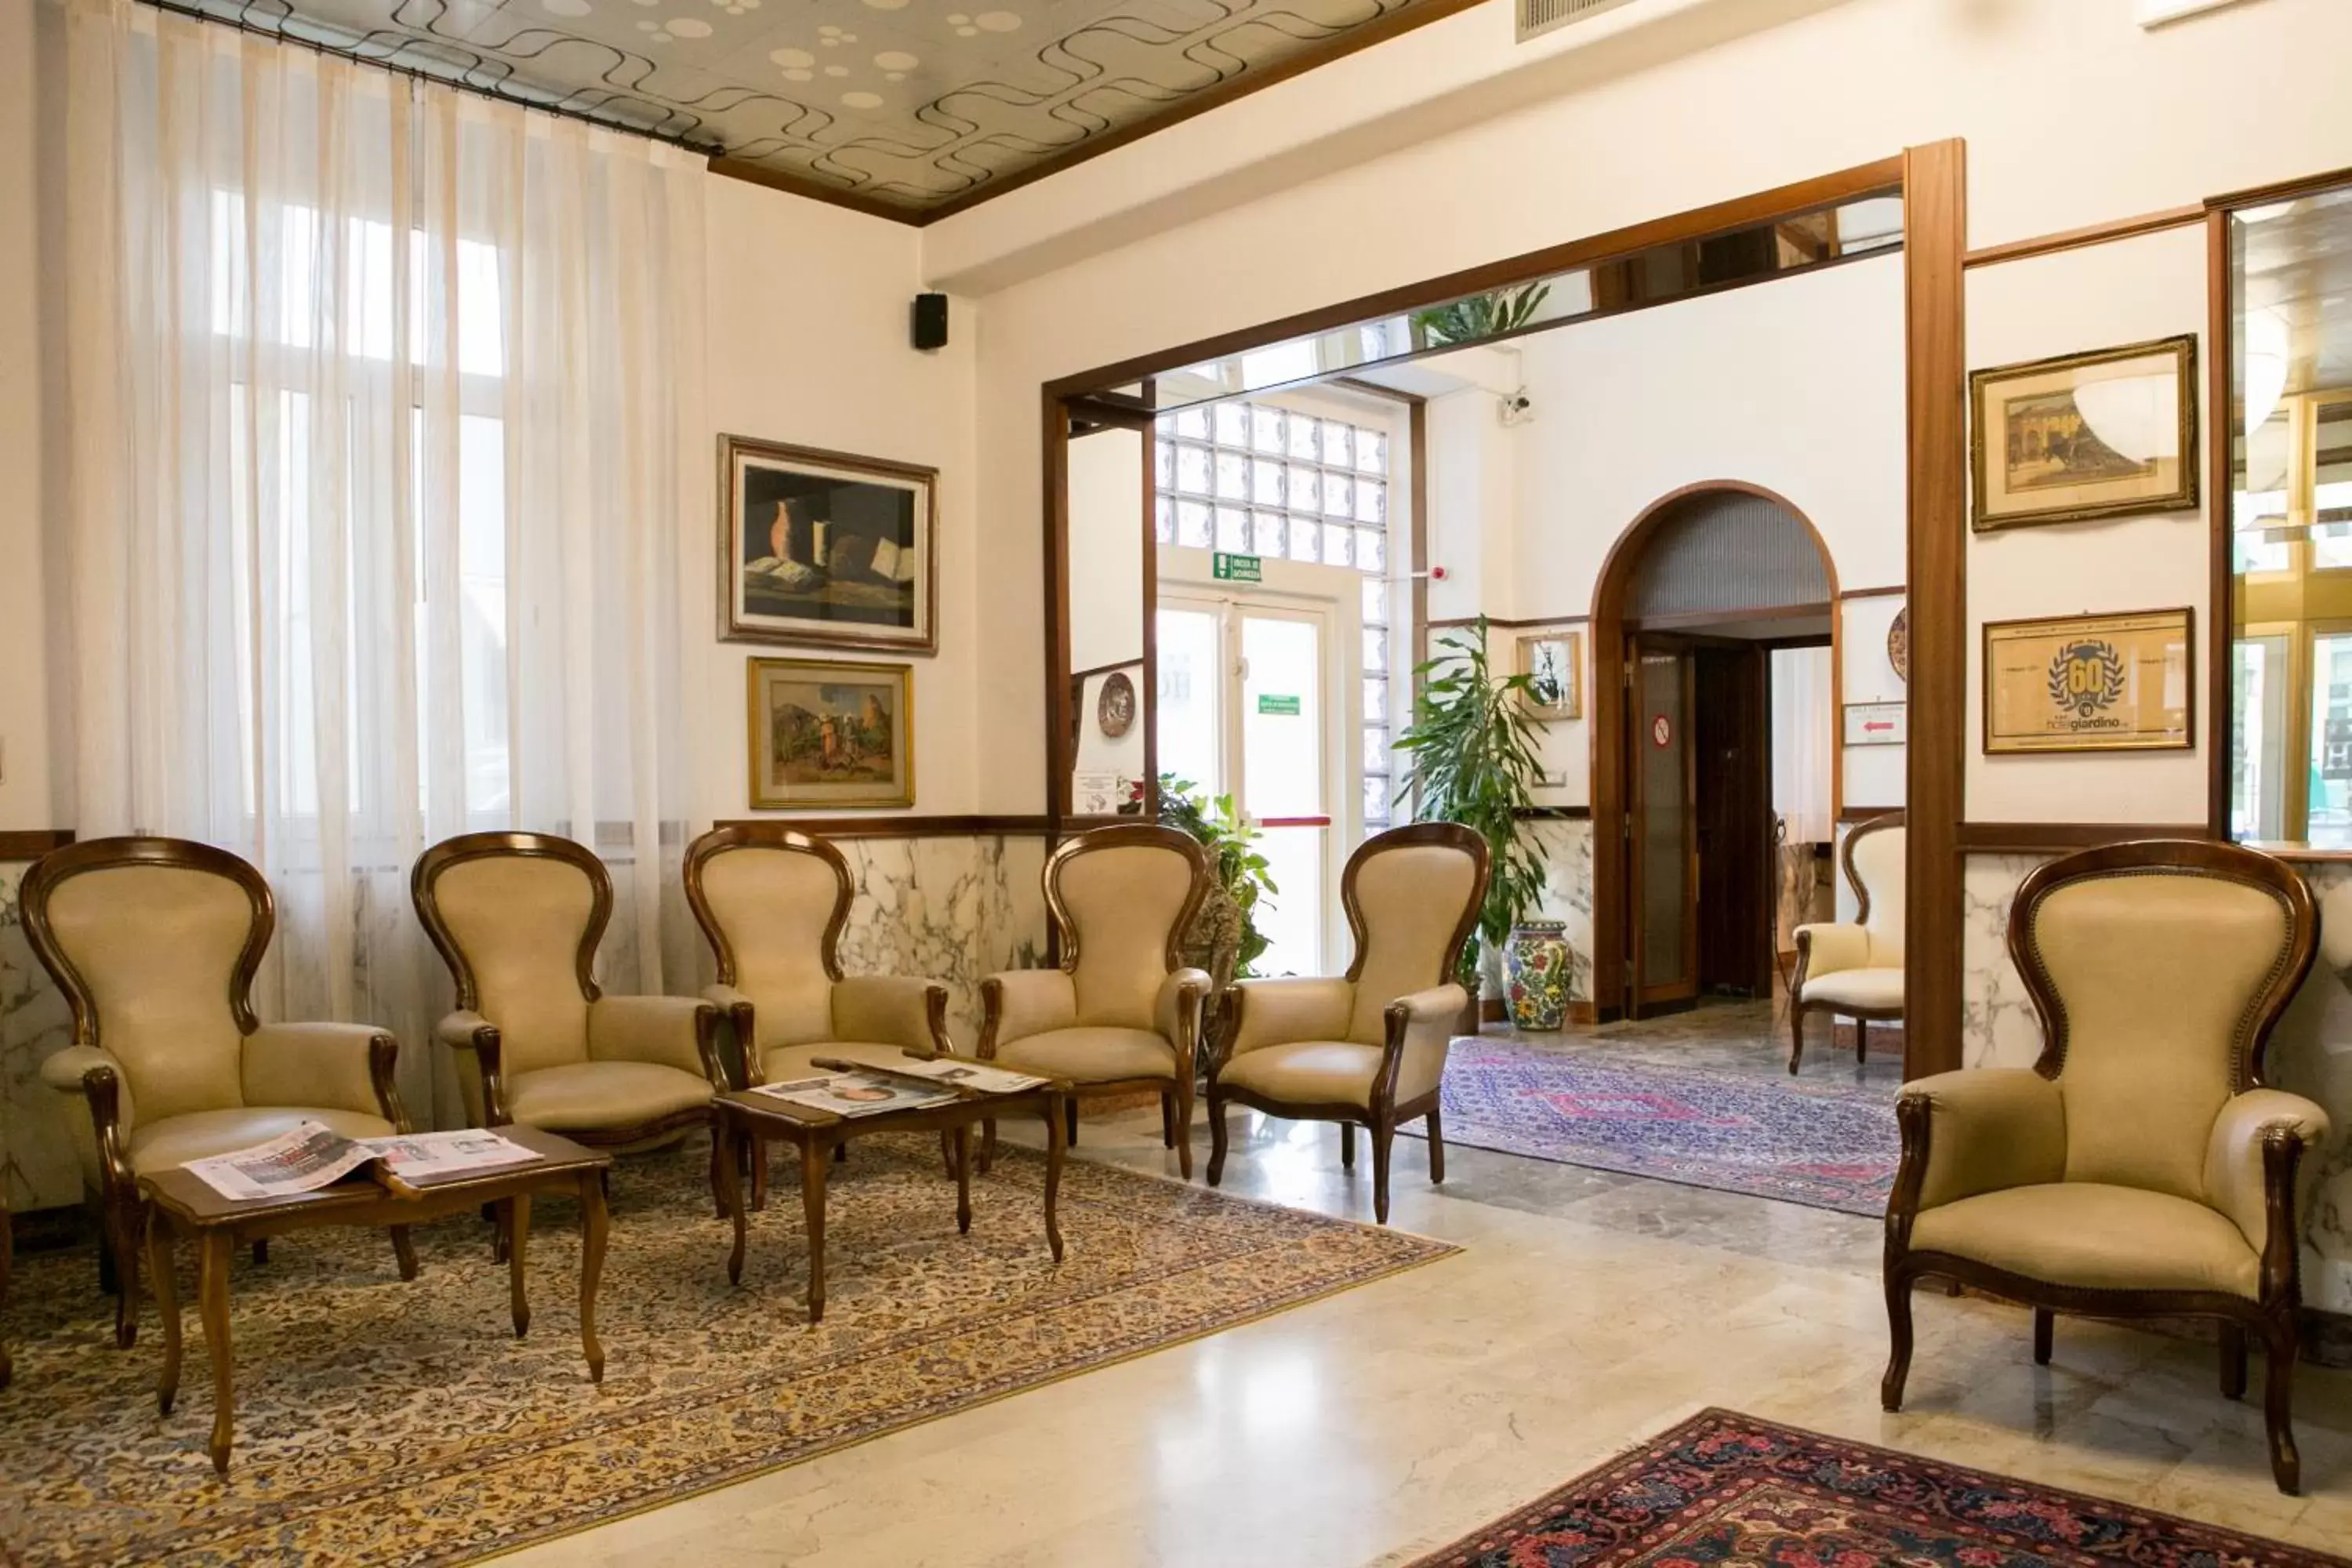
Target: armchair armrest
x,y
94,1077
1278,1012
337,1066
67,1070
1977,1130
1825,948
2237,1161
892,1010
679,1032
1024,1002
478,1037
1176,1014
747,1070
1419,1035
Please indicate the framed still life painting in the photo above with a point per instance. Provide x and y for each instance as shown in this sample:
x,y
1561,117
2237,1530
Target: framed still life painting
x,y
829,733
2111,434
826,549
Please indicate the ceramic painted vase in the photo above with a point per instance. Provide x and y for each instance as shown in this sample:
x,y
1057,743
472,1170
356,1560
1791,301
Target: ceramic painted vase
x,y
1535,974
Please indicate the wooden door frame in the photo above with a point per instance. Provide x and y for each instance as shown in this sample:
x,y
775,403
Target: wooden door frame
x,y
1613,903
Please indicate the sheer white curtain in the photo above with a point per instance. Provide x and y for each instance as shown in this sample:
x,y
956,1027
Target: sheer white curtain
x,y
1802,712
383,423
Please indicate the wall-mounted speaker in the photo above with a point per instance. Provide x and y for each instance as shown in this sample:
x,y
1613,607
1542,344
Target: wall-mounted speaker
x,y
930,320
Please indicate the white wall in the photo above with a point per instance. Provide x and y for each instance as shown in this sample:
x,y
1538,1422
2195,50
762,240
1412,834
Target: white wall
x,y
1107,528
2099,297
1874,775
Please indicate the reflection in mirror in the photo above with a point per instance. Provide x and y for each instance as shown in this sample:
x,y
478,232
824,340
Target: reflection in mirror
x,y
2291,516
1652,276
1110,490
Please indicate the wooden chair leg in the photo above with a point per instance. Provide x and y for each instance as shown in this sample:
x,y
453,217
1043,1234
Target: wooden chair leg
x,y
2281,1345
948,1153
2233,1360
1383,1133
1898,1334
404,1251
719,1154
1181,1120
1070,1122
128,1236
1347,1145
756,1151
2046,1323
1168,1120
987,1144
1862,1039
1216,1137
260,1250
1436,1147
1796,1037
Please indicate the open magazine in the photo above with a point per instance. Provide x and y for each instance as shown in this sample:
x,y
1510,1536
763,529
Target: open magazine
x,y
963,1073
860,1093
311,1154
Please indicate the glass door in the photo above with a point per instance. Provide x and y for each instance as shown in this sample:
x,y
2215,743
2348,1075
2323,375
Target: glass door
x,y
1663,822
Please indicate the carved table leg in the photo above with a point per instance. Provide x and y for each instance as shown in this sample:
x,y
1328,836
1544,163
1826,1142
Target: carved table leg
x,y
1054,1151
212,1302
518,1242
167,1306
812,1174
962,1158
593,1221
404,1251
731,1191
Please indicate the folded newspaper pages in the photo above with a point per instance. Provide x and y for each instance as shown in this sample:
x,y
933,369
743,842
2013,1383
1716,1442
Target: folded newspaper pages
x,y
856,1093
965,1074
311,1154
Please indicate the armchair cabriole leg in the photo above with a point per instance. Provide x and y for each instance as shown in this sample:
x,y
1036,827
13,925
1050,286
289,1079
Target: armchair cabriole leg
x,y
1070,1121
719,1154
1217,1135
1168,1120
1436,1147
1183,1127
1898,1334
2046,1323
127,1228
2233,1360
1383,1133
1347,1145
1861,1039
1796,1037
403,1252
260,1251
987,1144
2280,1347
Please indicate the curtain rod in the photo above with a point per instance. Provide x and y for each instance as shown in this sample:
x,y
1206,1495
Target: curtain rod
x,y
277,34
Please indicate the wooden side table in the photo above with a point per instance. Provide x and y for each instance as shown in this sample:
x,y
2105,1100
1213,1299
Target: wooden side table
x,y
747,1117
185,1206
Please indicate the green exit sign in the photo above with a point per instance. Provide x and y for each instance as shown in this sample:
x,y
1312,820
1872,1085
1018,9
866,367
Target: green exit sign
x,y
1237,568
1279,707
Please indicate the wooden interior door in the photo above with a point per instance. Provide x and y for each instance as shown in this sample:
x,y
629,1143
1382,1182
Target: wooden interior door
x,y
1662,818
1731,745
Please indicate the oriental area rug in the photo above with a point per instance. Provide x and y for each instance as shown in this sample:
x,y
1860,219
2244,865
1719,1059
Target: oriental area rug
x,y
383,1423
1826,1144
1729,1488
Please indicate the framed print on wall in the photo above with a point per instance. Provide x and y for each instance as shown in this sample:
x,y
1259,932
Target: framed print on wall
x,y
2110,434
2090,683
825,733
826,549
1553,664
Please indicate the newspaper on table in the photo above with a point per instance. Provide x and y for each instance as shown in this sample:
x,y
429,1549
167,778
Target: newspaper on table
x,y
857,1093
310,1155
965,1074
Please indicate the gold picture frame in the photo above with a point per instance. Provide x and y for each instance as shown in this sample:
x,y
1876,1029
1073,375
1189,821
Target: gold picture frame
x,y
829,734
1553,663
2091,683
2083,436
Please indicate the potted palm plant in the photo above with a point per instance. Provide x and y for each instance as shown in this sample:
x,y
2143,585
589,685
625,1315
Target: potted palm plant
x,y
1475,762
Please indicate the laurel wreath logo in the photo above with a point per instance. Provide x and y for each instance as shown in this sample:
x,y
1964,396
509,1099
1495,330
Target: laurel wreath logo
x,y
2085,676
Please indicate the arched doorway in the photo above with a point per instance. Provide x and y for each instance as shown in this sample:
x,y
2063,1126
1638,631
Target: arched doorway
x,y
1690,601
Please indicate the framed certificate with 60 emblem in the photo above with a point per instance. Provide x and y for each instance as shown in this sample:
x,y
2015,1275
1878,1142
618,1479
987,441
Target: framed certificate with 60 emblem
x,y
2090,683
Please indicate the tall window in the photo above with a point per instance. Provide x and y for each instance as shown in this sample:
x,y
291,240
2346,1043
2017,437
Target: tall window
x,y
1252,479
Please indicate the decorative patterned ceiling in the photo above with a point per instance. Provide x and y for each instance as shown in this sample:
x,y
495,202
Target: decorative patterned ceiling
x,y
908,105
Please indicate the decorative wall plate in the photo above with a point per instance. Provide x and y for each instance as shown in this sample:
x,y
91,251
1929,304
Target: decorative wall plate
x,y
1898,645
1115,710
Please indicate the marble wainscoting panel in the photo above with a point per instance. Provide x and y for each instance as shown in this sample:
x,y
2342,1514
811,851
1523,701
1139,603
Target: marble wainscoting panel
x,y
1566,846
954,910
2310,1052
37,1162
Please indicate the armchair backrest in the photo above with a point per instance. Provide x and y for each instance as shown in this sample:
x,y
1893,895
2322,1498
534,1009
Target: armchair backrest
x,y
1412,896
2158,969
1122,898
1874,857
772,904
154,942
517,917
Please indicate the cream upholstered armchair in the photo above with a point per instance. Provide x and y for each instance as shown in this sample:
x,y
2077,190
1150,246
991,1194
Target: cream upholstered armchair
x,y
154,942
1856,970
517,917
2138,1169
1368,1049
1122,1015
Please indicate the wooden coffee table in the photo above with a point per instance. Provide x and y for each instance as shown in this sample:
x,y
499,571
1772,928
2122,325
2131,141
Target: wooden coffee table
x,y
747,1117
183,1204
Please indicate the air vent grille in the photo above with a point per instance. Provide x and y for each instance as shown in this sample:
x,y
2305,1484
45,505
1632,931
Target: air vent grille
x,y
1543,16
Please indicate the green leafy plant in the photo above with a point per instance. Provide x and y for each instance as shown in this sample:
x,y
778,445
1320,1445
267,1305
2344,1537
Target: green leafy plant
x,y
1231,842
1480,315
1475,762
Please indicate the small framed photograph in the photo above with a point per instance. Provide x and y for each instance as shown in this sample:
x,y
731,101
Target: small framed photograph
x,y
1877,723
1554,666
2090,683
826,733
2110,434
826,549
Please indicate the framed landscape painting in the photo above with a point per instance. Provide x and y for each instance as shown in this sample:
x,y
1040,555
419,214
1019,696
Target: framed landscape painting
x,y
826,549
2110,434
829,733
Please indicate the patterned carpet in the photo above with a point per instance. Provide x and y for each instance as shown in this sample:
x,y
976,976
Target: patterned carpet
x,y
1729,1488
380,1422
1823,1143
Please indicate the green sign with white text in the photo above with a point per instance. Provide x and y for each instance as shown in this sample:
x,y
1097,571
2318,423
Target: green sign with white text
x,y
1236,568
1279,707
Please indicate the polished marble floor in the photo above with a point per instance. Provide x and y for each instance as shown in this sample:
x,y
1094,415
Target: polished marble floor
x,y
1586,1311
